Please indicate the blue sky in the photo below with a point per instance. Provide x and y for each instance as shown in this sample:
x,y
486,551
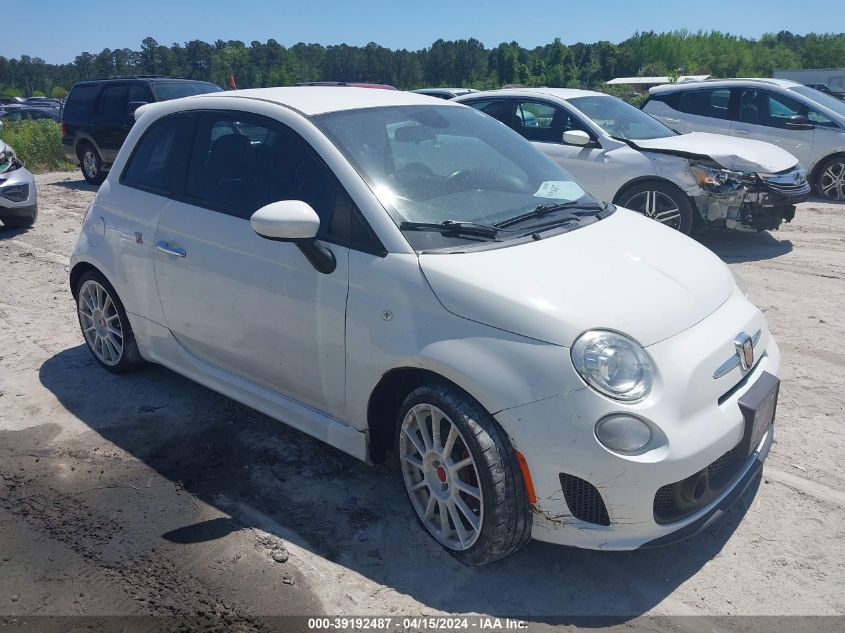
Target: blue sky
x,y
57,30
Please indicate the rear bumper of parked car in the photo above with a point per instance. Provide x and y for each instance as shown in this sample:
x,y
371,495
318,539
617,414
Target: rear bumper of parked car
x,y
14,203
589,496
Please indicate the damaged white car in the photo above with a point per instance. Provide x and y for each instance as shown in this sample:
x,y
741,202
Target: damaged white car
x,y
18,204
623,155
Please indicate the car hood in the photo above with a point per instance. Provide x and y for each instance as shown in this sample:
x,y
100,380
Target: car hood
x,y
738,154
625,273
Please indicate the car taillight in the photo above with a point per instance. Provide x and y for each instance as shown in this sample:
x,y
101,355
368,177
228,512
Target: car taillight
x,y
64,129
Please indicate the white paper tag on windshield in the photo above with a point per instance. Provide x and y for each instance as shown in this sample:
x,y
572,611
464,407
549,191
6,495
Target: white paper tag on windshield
x,y
559,190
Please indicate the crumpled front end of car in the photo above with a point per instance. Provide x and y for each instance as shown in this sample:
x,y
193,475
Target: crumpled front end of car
x,y
747,201
17,186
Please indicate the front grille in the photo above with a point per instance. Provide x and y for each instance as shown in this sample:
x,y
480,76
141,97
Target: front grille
x,y
584,500
675,501
788,184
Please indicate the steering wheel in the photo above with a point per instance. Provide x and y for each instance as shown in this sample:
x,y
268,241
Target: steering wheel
x,y
459,178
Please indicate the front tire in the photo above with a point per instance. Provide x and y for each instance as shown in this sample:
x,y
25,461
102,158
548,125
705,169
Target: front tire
x,y
91,164
461,475
105,326
831,181
660,201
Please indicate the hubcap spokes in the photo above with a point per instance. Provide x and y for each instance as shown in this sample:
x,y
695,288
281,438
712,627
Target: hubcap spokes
x,y
657,206
90,164
832,183
100,322
441,477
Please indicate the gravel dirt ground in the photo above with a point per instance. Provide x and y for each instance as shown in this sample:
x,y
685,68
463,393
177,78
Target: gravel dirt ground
x,y
148,494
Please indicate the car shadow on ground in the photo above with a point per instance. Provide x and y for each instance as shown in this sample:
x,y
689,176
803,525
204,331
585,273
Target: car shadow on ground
x,y
8,232
735,247
73,185
263,474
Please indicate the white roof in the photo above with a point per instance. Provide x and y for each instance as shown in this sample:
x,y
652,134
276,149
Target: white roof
x,y
623,81
311,100
730,83
560,93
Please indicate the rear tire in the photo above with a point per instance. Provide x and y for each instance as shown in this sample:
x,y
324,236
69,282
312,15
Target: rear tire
x,y
105,326
91,164
479,511
660,201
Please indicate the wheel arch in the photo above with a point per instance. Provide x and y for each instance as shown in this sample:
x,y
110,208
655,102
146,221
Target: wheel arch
x,y
815,173
386,398
81,139
641,179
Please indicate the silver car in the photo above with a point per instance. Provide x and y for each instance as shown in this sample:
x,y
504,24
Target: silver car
x,y
805,122
18,198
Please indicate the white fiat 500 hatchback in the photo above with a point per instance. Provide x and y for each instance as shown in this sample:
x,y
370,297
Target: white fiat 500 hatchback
x,y
406,278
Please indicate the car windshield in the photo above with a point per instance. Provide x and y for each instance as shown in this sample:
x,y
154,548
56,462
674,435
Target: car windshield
x,y
828,101
619,119
166,90
433,164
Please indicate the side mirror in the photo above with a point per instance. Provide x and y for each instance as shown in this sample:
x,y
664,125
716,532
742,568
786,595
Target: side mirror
x,y
286,221
798,122
134,105
576,137
294,221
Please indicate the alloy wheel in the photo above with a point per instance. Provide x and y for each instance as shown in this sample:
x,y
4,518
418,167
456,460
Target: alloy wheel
x,y
89,163
657,206
441,477
100,322
832,181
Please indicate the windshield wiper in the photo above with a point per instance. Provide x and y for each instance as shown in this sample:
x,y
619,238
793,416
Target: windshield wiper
x,y
453,227
545,209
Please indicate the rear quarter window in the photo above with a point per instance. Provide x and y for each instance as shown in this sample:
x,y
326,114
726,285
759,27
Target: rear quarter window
x,y
158,162
81,102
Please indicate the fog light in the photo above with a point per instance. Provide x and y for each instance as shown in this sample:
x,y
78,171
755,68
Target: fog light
x,y
623,433
15,193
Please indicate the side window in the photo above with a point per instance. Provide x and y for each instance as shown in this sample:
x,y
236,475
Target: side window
x,y
81,101
154,163
113,104
710,103
817,118
138,93
544,122
761,107
241,162
499,109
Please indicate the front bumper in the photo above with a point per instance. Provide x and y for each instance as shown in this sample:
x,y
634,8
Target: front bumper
x,y
15,206
698,421
757,205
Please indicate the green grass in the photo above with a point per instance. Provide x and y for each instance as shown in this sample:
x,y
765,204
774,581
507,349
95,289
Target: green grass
x,y
38,145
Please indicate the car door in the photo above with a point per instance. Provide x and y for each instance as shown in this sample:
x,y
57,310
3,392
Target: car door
x,y
764,115
110,124
255,307
543,123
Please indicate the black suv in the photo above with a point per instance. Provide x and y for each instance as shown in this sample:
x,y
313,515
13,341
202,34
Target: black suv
x,y
99,114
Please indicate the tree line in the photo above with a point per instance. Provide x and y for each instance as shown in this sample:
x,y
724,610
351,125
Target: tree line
x,y
445,63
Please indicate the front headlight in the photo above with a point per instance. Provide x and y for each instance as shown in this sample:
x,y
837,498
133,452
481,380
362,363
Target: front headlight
x,y
613,364
715,178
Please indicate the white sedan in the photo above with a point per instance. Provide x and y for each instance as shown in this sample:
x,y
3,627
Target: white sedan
x,y
623,155
405,278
